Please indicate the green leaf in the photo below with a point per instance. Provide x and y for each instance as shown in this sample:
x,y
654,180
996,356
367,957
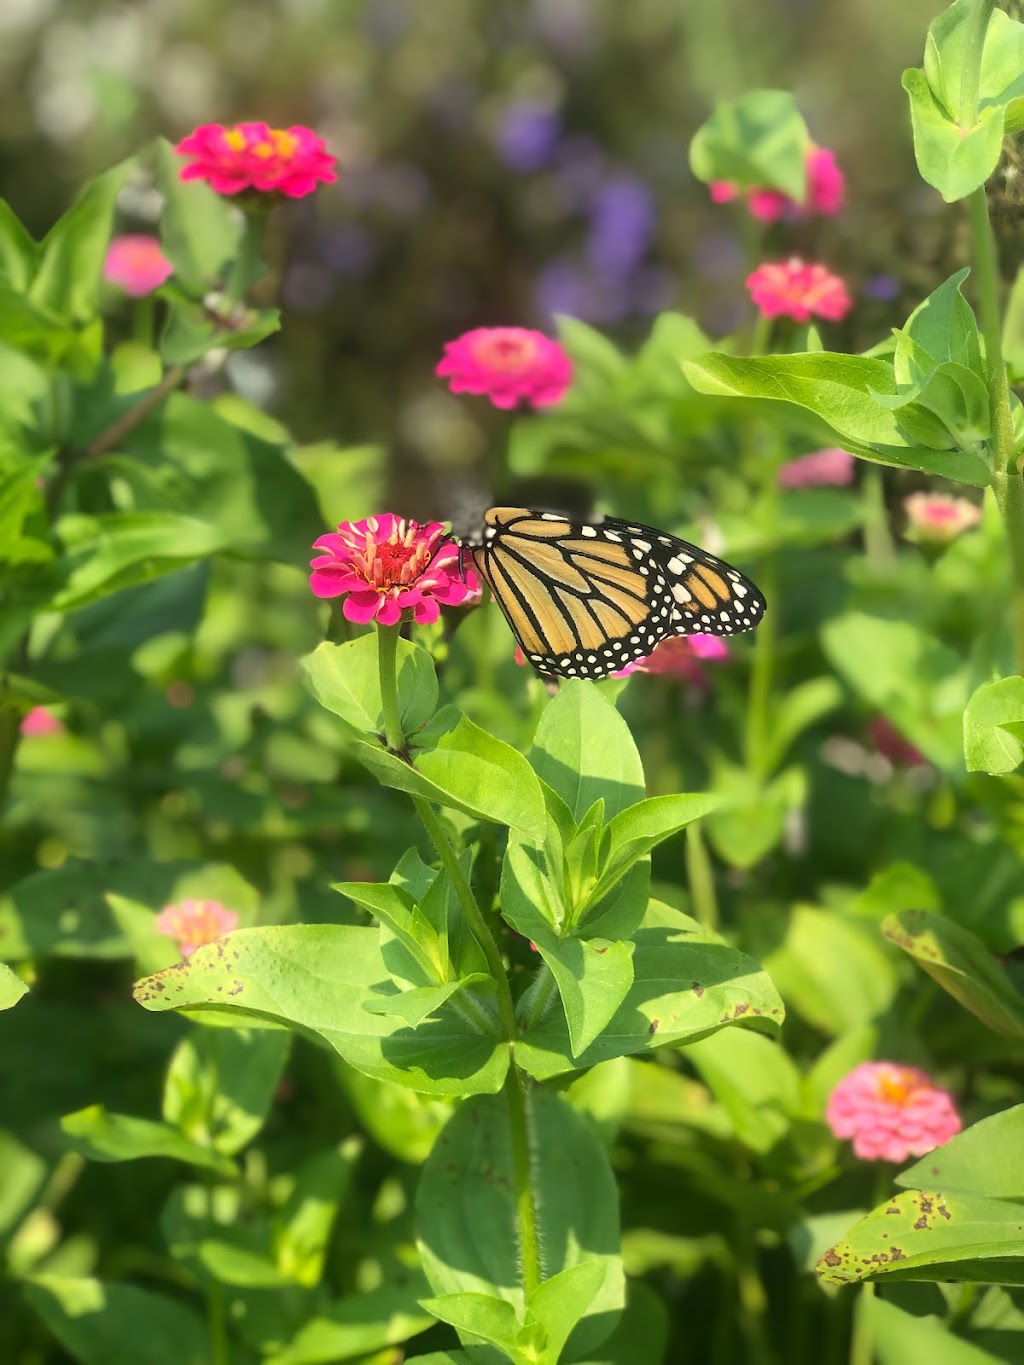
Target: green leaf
x,y
898,1336
118,1324
220,1085
466,1206
994,727
305,1221
101,1136
754,1081
838,389
561,1301
348,1328
635,831
399,1121
12,988
1013,326
584,751
796,711
987,1158
420,1002
962,965
921,1235
942,327
593,978
346,679
71,255
315,979
750,819
478,1315
597,362
192,329
18,252
955,163
200,229
684,987
757,140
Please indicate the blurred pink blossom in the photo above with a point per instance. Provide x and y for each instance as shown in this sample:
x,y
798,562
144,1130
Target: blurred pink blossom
x,y
192,923
509,364
39,721
253,156
818,469
136,264
385,564
826,190
798,290
938,518
891,1112
888,741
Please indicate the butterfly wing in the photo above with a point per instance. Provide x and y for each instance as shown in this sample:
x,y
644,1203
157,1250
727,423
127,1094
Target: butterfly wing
x,y
584,600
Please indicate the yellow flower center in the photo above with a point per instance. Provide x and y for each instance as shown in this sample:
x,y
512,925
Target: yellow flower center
x,y
235,139
502,351
896,1086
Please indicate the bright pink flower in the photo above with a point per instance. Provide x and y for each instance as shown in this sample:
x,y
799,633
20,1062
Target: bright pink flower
x,y
192,923
938,518
891,1112
888,741
386,564
136,264
253,156
39,721
682,656
826,190
509,364
799,291
818,469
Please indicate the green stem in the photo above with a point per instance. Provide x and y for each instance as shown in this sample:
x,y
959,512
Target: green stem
x,y
387,651
518,1096
1008,487
248,264
760,335
701,876
10,735
986,282
878,544
970,70
862,1346
762,671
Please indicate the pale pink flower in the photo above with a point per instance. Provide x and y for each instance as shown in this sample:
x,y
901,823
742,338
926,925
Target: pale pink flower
x,y
818,469
826,190
887,740
938,518
192,923
384,565
253,156
683,656
891,1112
38,722
510,365
798,290
136,264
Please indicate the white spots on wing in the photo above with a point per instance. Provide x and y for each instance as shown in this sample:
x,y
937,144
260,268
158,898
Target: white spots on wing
x,y
587,531
613,535
680,593
678,562
643,545
740,589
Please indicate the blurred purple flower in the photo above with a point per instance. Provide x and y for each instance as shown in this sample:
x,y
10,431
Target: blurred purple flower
x,y
580,166
527,134
884,288
349,249
564,286
653,289
621,224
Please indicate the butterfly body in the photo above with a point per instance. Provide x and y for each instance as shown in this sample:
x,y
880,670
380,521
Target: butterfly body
x,y
584,600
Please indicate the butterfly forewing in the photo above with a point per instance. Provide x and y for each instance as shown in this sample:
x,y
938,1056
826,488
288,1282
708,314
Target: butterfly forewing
x,y
584,600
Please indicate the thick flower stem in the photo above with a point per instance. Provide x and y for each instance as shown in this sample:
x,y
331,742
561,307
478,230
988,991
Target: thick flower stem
x,y
1008,487
700,874
10,734
387,651
518,1096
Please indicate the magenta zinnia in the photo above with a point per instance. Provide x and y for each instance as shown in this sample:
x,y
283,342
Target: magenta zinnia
x,y
384,565
825,191
254,156
510,365
798,290
193,923
136,263
891,1112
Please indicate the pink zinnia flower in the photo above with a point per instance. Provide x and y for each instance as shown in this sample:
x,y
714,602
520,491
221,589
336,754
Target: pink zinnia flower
x,y
136,264
682,656
938,518
253,156
509,364
819,469
799,291
826,190
192,923
887,740
39,721
385,565
891,1112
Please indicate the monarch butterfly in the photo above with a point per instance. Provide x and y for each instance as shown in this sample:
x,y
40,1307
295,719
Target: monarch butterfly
x,y
585,600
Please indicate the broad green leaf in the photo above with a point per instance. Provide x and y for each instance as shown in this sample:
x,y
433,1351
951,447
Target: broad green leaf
x,y
749,819
635,831
754,1081
71,255
898,1337
953,162
593,978
346,679
101,1136
25,1173
641,1337
597,362
200,229
796,711
987,1158
400,1121
584,751
757,140
943,326
420,1002
18,252
994,727
239,1267
350,1327
478,1315
220,1085
12,988
684,987
962,965
119,1324
316,979
560,1301
921,1235
192,329
466,1206
838,389
900,886
304,1223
